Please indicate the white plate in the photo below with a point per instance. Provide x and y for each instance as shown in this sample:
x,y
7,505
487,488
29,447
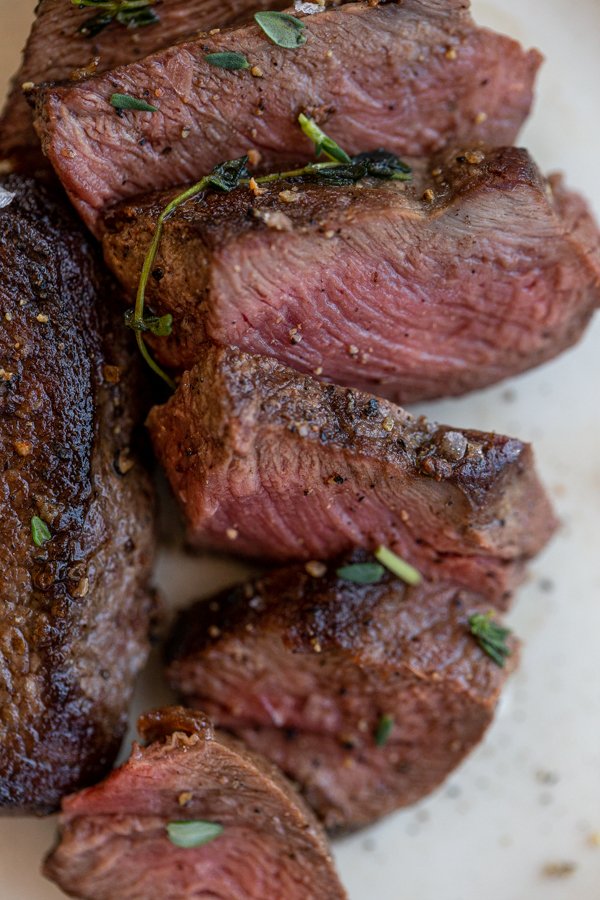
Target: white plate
x,y
530,795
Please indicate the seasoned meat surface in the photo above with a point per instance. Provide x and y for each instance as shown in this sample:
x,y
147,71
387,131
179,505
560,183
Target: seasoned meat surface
x,y
269,463
56,51
113,839
75,609
414,77
379,286
367,696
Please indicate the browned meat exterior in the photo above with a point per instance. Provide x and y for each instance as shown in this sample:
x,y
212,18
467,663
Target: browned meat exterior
x,y
266,462
113,840
56,51
75,610
309,668
375,286
440,81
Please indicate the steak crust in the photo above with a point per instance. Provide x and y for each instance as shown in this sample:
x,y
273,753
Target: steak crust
x,y
440,81
267,462
75,610
376,286
113,840
306,668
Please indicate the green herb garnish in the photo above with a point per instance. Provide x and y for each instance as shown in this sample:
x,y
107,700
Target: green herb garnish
x,y
361,573
491,637
281,28
228,60
323,143
39,531
398,566
126,101
131,13
233,174
193,833
384,730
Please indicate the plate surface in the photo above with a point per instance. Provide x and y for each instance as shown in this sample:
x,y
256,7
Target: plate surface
x,y
530,795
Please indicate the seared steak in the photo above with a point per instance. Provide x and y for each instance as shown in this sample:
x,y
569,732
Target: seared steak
x,y
375,285
114,843
270,463
75,609
315,671
411,76
56,51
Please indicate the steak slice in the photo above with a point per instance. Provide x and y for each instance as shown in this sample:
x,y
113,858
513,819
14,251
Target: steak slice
x,y
76,609
311,668
440,81
270,463
56,51
113,839
373,285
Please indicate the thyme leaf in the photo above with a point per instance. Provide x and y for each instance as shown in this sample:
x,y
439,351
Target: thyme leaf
x,y
384,729
323,143
40,532
361,573
398,566
227,60
193,833
491,637
131,13
126,101
161,326
281,28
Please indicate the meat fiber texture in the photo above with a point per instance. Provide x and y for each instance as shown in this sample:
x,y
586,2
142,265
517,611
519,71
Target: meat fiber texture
x,y
76,609
308,667
269,463
56,51
378,286
413,77
113,839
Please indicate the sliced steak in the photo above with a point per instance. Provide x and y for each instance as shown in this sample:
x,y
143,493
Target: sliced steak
x,y
440,81
314,671
270,463
114,842
375,285
75,609
57,51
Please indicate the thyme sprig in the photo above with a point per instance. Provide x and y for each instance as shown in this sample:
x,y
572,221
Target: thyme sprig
x,y
339,170
491,637
131,13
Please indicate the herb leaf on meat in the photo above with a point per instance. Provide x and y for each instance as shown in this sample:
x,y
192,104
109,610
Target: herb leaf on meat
x,y
384,729
193,833
161,326
323,143
126,101
491,637
281,28
228,60
131,13
39,532
362,573
398,566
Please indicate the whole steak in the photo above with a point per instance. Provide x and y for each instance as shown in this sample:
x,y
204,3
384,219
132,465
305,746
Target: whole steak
x,y
477,270
412,77
366,695
270,463
115,840
76,527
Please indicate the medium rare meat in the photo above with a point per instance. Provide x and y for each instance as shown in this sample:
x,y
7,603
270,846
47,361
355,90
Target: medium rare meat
x,y
440,81
114,842
270,463
76,529
367,696
376,285
57,51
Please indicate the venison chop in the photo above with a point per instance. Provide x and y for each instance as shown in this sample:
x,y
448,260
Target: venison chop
x,y
113,839
269,463
367,696
414,77
76,609
375,285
